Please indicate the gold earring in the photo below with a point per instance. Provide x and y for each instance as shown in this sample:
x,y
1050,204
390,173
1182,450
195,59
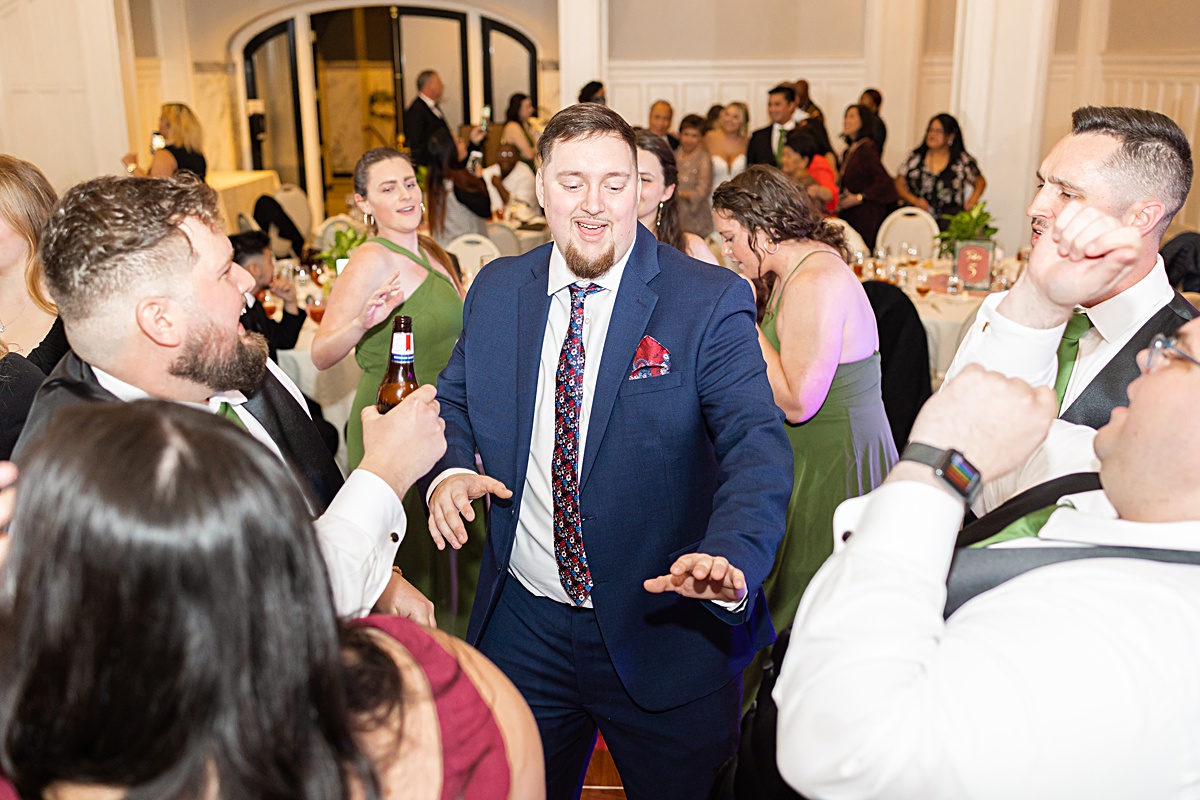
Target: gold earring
x,y
369,219
422,208
658,218
771,252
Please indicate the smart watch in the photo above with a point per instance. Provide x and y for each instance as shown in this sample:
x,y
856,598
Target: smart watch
x,y
950,466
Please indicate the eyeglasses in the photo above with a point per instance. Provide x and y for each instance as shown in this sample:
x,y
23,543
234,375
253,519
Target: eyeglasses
x,y
1162,348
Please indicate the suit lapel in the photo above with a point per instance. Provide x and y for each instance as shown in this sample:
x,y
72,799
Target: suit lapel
x,y
533,307
631,312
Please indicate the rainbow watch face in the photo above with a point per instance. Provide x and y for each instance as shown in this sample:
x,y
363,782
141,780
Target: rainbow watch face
x,y
959,474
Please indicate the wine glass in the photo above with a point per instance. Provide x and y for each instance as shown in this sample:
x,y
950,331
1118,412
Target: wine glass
x,y
954,285
316,308
270,303
922,285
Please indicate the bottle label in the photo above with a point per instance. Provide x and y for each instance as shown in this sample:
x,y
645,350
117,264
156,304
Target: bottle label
x,y
402,348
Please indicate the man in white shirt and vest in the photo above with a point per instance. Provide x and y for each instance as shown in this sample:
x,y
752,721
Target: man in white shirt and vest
x,y
1123,168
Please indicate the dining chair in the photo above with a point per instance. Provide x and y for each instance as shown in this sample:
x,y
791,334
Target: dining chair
x,y
912,225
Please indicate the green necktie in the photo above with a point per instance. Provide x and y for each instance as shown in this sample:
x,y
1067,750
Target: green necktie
x,y
1028,525
1068,350
779,147
226,410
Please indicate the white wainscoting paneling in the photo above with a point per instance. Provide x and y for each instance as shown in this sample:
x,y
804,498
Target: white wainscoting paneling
x,y
1167,83
692,86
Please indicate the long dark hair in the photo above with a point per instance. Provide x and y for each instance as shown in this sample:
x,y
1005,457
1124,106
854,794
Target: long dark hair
x,y
953,133
764,199
444,164
513,114
870,128
666,229
160,630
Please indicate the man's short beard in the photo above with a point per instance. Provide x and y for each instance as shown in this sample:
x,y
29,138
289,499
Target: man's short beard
x,y
209,360
589,270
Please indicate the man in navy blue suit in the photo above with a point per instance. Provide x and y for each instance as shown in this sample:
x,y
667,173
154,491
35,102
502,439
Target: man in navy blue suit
x,y
639,474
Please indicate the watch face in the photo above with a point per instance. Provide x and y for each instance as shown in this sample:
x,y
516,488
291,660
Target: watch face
x,y
959,473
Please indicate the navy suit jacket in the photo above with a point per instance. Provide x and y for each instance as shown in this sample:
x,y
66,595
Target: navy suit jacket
x,y
696,460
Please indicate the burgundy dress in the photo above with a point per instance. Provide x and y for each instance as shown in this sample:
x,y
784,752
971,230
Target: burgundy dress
x,y
863,173
474,760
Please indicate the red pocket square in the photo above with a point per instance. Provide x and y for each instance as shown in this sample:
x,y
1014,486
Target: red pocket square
x,y
651,360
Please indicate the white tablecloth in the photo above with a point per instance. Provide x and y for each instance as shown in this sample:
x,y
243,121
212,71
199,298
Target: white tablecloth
x,y
946,319
238,190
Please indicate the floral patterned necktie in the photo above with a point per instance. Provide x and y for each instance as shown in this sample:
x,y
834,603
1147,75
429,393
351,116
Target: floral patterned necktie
x,y
573,570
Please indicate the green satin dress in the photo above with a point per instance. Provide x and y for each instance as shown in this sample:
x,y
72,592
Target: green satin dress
x,y
843,451
436,311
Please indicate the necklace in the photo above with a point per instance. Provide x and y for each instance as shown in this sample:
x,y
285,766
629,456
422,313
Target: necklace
x,y
20,314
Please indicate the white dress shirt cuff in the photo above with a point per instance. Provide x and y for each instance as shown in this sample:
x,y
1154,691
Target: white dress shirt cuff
x,y
446,474
359,534
999,344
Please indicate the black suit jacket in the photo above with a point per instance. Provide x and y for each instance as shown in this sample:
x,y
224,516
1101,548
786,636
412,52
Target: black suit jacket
x,y
280,335
1108,389
419,124
759,150
73,382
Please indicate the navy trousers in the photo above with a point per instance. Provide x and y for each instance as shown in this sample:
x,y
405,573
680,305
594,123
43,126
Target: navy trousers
x,y
555,654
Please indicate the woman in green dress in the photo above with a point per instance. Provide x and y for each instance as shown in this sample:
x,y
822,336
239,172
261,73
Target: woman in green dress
x,y
820,342
395,272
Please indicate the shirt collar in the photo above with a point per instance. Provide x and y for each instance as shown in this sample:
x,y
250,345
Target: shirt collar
x,y
1118,314
561,277
431,103
1094,521
127,392
787,126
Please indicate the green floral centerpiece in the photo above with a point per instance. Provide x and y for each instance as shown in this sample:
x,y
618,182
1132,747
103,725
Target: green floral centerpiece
x,y
966,226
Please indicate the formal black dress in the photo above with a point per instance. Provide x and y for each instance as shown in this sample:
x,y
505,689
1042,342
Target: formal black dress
x,y
19,382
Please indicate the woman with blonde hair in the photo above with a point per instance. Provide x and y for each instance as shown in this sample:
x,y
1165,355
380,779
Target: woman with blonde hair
x,y
27,314
728,140
184,146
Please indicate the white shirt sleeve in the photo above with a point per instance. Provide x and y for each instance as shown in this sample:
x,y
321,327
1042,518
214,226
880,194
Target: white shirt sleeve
x,y
356,537
999,344
854,686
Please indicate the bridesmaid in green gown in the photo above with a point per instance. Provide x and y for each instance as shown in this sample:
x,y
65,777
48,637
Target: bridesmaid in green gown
x,y
396,272
820,341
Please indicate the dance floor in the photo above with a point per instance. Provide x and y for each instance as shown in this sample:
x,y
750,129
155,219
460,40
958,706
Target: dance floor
x,y
602,781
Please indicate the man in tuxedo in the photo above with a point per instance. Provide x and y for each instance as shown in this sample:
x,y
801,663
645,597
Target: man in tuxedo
x,y
252,252
805,107
1073,679
424,116
766,144
1117,180
151,299
639,474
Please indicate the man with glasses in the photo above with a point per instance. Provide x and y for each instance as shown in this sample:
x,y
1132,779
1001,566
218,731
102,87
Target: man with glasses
x,y
1073,679
1106,194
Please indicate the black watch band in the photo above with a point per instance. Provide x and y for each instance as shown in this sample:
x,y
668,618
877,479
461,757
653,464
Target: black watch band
x,y
950,466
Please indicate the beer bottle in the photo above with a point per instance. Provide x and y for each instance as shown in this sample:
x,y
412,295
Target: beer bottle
x,y
400,379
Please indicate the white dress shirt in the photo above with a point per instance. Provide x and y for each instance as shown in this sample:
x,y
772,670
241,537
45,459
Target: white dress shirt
x,y
533,562
434,107
354,533
1074,680
519,183
1002,345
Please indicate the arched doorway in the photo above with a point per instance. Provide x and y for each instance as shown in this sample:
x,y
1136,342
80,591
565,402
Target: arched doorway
x,y
311,111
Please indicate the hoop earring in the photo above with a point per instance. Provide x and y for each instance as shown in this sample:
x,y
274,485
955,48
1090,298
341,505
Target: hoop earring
x,y
771,252
658,219
369,219
422,208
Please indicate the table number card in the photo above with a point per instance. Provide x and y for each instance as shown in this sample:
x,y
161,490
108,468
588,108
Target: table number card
x,y
973,264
